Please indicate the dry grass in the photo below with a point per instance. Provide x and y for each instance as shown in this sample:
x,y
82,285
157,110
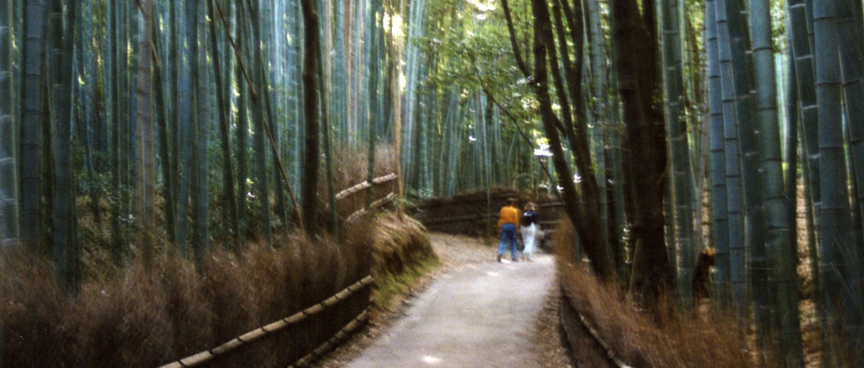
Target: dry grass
x,y
402,252
146,318
352,165
701,339
129,317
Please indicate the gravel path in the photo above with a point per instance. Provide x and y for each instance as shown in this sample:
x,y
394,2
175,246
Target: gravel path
x,y
472,312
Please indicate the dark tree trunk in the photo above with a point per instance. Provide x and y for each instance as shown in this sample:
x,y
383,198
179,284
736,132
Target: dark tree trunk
x,y
147,166
31,116
635,58
173,180
9,229
584,215
242,125
65,251
165,152
310,88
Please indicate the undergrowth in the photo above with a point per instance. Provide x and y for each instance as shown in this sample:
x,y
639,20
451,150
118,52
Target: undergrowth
x,y
132,317
402,252
146,318
702,338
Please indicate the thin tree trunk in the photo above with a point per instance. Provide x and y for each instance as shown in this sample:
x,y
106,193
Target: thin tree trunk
x,y
117,247
396,51
242,122
734,189
126,150
325,80
720,237
838,311
372,97
187,103
851,51
778,237
272,124
599,133
224,132
31,117
200,139
757,263
800,14
9,230
617,177
89,116
172,204
65,251
793,120
310,88
165,146
259,121
682,169
146,171
803,47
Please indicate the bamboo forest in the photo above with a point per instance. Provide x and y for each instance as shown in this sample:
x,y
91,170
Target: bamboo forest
x,y
175,174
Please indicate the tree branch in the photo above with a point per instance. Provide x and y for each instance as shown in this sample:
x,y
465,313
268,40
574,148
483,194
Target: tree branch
x,y
514,120
513,42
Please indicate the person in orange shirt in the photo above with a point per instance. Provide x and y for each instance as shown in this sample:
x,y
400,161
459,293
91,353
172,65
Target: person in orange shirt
x,y
508,224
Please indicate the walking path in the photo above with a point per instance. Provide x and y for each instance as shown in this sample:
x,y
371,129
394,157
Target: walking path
x,y
475,315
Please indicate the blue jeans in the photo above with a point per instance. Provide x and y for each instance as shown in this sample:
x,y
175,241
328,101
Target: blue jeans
x,y
508,236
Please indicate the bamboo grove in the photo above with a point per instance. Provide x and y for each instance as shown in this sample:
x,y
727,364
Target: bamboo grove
x,y
667,127
167,123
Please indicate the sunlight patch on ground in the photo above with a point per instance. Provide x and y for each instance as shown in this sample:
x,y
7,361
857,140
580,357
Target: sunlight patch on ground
x,y
493,274
431,360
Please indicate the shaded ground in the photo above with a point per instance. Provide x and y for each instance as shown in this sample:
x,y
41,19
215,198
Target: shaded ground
x,y
507,316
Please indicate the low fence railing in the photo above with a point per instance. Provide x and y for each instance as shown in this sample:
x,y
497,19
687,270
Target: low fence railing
x,y
350,205
251,336
572,320
325,347
477,213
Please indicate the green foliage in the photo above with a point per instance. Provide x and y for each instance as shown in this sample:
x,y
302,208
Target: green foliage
x,y
778,26
472,48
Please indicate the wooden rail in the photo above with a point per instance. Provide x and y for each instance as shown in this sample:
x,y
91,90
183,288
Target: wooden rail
x,y
447,220
391,196
365,185
260,332
441,203
569,314
343,333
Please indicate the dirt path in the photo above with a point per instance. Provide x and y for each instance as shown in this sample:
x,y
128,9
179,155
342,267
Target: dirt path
x,y
475,312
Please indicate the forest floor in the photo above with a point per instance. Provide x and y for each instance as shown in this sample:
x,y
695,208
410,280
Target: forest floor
x,y
527,293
